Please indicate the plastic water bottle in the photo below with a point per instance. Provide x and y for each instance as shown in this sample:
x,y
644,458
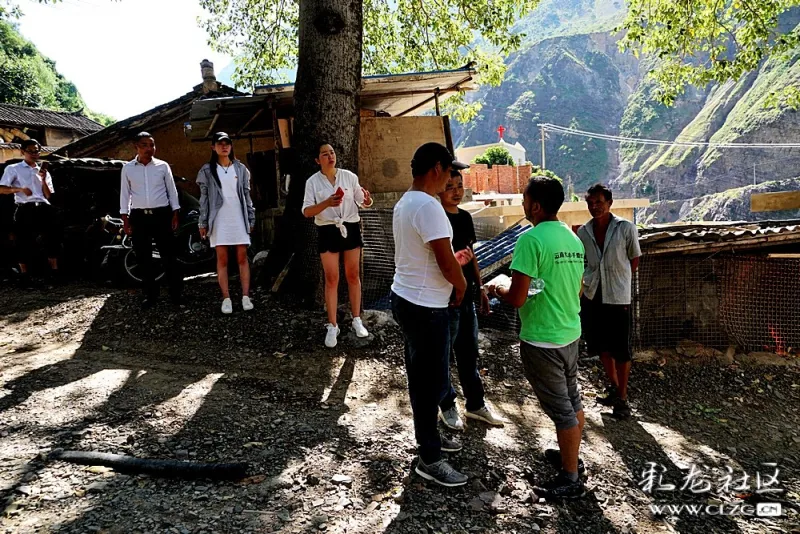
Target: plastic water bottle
x,y
536,287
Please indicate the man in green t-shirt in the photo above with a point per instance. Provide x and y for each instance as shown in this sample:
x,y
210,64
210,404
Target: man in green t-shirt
x,y
547,272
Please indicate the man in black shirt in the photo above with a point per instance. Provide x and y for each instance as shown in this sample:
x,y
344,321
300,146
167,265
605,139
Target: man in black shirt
x,y
463,320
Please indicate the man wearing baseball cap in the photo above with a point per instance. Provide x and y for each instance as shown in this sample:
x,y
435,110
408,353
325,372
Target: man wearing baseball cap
x,y
427,280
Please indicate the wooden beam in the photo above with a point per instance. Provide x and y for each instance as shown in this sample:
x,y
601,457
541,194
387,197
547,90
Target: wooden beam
x,y
249,121
784,200
455,87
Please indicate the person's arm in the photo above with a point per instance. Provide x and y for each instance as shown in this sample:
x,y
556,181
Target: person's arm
x,y
125,201
449,266
47,185
172,194
634,250
7,187
517,294
312,209
251,210
202,220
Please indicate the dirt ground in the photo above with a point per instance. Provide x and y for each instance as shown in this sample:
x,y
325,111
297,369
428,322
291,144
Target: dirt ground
x,y
328,433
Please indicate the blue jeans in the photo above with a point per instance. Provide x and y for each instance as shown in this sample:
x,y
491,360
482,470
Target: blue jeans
x,y
426,332
464,343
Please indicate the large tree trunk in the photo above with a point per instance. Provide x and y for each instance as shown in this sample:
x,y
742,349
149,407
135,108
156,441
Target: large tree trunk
x,y
326,105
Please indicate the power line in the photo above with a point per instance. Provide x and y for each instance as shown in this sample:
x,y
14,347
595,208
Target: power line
x,y
658,142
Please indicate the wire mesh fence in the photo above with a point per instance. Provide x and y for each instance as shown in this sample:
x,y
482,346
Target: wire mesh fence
x,y
378,258
758,302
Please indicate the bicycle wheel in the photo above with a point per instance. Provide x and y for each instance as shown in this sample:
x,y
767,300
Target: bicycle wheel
x,y
133,269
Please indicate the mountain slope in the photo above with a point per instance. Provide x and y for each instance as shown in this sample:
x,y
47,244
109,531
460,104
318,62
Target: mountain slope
x,y
27,78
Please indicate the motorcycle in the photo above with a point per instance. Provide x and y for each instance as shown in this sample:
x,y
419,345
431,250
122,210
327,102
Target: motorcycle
x,y
113,252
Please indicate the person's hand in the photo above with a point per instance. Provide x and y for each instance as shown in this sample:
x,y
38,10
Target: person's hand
x,y
464,256
203,232
484,308
367,198
334,201
26,191
126,226
175,221
458,296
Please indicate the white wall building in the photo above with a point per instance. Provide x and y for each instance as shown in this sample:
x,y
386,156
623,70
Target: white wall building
x,y
467,154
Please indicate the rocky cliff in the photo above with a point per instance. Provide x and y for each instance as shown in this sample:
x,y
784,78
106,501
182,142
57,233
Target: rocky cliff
x,y
571,73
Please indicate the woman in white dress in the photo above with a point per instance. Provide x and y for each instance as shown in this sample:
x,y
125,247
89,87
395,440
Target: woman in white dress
x,y
227,215
333,197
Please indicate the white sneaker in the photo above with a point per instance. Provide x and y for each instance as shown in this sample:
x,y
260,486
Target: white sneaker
x,y
330,337
485,414
247,304
451,419
227,306
358,326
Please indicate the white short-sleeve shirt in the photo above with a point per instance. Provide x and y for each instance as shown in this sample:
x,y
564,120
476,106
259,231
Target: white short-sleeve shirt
x,y
23,175
319,188
419,219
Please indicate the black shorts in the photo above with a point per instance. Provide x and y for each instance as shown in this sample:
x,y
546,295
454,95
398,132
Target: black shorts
x,y
34,221
607,327
329,238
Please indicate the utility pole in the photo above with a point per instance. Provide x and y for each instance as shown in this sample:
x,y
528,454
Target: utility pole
x,y
754,174
541,128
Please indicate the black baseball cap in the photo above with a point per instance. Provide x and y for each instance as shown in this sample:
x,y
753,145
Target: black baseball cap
x,y
428,155
221,136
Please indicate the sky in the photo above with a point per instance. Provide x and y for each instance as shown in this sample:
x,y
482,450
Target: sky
x,y
124,56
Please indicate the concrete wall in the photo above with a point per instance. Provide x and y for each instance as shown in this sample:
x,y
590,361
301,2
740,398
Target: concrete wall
x,y
184,156
58,138
387,146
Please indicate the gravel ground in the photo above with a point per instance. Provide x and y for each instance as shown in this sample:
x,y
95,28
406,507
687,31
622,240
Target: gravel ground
x,y
328,434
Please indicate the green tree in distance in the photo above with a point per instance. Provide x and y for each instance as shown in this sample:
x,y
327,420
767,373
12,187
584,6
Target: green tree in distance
x,y
702,41
495,155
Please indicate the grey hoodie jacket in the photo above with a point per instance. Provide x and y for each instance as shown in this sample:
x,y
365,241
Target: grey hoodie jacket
x,y
211,196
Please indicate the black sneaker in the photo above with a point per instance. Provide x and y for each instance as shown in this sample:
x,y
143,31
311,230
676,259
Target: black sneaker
x,y
450,445
621,409
611,397
561,487
553,456
442,473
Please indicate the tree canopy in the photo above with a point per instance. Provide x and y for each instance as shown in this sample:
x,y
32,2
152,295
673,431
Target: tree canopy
x,y
495,155
399,36
702,41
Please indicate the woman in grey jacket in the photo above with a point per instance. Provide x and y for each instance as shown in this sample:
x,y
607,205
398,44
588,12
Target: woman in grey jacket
x,y
227,216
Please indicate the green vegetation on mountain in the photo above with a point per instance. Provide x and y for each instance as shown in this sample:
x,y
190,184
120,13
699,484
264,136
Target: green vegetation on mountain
x,y
27,78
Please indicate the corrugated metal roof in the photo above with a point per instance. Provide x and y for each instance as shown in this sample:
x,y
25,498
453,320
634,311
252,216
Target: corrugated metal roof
x,y
22,116
667,238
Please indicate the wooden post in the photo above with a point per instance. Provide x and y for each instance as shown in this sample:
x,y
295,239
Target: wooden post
x,y
541,127
436,99
276,136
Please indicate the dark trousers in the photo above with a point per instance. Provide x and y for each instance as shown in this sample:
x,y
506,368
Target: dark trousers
x,y
155,225
31,221
464,343
427,342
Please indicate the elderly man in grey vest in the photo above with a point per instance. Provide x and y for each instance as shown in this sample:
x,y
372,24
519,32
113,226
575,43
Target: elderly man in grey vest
x,y
612,256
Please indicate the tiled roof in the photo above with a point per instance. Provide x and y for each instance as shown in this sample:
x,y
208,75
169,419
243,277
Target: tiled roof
x,y
15,146
12,115
121,131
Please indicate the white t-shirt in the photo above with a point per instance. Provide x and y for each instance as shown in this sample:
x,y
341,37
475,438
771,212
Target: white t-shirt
x,y
418,220
318,188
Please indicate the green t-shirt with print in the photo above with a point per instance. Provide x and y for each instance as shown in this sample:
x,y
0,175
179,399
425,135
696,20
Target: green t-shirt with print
x,y
551,252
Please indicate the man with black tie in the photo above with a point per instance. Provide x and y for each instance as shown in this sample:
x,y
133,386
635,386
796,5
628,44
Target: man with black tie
x,y
149,209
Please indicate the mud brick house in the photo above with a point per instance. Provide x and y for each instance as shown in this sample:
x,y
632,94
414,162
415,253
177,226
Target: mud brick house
x,y
53,129
167,123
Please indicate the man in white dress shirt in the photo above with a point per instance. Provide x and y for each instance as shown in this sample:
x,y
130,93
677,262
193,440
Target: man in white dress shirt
x,y
149,209
32,186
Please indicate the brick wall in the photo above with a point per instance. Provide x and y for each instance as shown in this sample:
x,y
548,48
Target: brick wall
x,y
503,179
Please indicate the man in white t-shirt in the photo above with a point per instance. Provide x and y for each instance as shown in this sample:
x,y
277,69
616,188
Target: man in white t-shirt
x,y
427,280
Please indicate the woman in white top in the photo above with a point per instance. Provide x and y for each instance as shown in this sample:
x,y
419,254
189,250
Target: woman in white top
x,y
227,215
333,197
